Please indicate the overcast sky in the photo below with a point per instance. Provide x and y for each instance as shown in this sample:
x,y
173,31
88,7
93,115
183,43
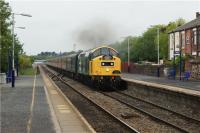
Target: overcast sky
x,y
57,25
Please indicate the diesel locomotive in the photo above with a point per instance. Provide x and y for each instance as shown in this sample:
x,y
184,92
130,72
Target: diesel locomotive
x,y
101,65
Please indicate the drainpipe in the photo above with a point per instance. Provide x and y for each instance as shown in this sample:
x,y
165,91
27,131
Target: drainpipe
x,y
174,65
180,50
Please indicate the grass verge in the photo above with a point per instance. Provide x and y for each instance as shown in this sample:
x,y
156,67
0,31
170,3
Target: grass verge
x,y
27,71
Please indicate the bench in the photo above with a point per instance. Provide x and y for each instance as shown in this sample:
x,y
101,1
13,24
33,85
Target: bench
x,y
171,73
8,77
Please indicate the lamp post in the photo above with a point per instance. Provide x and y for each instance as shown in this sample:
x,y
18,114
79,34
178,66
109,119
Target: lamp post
x,y
13,45
0,46
128,56
180,67
17,61
158,46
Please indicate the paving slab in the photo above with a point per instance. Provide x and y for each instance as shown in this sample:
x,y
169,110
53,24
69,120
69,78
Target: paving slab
x,y
20,113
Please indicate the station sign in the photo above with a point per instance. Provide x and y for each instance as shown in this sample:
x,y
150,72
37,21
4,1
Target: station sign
x,y
176,52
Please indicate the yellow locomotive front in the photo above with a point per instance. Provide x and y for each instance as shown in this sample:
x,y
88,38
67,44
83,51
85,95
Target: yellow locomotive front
x,y
104,64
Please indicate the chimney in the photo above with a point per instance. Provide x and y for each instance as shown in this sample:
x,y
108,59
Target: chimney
x,y
197,14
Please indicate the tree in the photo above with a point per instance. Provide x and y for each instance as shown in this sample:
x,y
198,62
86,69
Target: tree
x,y
144,47
6,36
25,61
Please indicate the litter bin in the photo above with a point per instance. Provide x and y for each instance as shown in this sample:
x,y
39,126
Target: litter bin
x,y
158,72
2,78
170,72
166,71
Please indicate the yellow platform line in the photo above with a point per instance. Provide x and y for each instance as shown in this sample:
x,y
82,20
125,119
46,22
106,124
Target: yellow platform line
x,y
29,124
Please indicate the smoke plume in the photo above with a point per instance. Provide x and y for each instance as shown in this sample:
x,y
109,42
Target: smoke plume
x,y
94,34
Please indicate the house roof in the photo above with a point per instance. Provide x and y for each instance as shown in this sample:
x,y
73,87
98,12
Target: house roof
x,y
191,24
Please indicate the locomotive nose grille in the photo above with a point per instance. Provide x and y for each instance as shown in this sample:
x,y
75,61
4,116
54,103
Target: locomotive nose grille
x,y
107,57
107,63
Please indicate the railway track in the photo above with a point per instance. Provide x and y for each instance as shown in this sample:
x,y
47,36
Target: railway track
x,y
55,76
148,102
178,121
172,118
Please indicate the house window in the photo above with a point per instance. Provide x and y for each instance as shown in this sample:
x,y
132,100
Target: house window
x,y
177,46
183,39
172,41
194,37
187,39
177,39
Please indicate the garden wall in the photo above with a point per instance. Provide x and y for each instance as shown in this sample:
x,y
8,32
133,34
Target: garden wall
x,y
150,70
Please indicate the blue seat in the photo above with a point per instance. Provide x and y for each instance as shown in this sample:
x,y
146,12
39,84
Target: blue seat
x,y
171,73
8,77
186,75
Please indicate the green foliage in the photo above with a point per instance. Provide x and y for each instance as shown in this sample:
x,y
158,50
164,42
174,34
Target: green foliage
x,y
25,61
6,36
177,62
168,63
188,57
144,47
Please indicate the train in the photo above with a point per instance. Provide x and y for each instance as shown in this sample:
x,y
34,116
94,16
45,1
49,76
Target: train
x,y
100,66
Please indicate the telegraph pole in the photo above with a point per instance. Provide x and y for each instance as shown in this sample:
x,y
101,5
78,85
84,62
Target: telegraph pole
x,y
158,46
13,52
128,56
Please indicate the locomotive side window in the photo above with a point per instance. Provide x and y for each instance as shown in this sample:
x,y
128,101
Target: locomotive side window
x,y
113,53
96,53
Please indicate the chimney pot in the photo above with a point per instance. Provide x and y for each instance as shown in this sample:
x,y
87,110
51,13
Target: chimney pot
x,y
197,14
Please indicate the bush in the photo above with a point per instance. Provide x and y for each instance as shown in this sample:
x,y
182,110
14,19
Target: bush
x,y
25,61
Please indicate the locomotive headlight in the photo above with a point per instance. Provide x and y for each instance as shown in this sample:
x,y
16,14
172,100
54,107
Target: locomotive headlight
x,y
112,64
102,63
107,70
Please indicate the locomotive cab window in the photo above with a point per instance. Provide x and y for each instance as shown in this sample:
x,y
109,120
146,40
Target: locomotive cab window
x,y
105,51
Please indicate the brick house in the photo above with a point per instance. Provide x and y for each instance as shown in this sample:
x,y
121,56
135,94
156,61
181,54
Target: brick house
x,y
185,39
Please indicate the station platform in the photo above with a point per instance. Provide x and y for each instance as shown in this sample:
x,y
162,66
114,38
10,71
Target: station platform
x,y
68,117
25,108
35,106
192,85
